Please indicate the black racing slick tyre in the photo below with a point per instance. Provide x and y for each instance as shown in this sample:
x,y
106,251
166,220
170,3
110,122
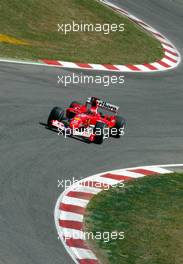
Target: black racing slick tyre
x,y
120,126
74,103
56,113
99,131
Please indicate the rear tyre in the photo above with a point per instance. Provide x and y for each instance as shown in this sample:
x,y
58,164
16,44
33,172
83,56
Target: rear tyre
x,y
120,126
99,132
56,113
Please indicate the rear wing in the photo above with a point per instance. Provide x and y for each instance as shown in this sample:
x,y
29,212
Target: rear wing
x,y
104,105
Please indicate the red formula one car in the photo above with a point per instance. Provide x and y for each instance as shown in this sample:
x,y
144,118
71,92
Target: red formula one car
x,y
86,121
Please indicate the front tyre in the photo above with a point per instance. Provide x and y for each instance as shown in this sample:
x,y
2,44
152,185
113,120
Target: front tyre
x,y
99,131
120,126
56,113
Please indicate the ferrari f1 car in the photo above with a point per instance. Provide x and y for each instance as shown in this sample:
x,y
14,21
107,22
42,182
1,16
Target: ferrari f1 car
x,y
87,120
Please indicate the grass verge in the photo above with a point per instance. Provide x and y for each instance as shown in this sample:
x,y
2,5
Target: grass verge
x,y
35,22
149,212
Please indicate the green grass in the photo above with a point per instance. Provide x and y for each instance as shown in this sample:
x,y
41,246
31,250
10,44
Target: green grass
x,y
36,22
150,212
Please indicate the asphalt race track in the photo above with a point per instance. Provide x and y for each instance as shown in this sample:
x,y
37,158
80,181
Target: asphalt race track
x,y
34,158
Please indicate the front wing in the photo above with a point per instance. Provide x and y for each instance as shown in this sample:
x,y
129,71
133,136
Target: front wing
x,y
67,131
